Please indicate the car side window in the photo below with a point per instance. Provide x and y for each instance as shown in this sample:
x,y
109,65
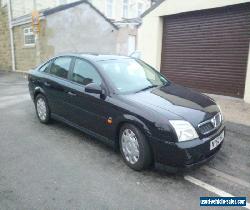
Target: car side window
x,y
60,67
45,67
84,73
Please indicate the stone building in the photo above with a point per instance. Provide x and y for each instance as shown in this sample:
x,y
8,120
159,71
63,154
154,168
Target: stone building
x,y
113,9
5,51
74,27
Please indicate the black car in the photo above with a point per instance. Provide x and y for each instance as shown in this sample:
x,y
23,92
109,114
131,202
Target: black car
x,y
126,103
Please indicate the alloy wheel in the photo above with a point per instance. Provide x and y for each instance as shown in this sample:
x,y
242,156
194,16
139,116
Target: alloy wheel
x,y
130,146
41,109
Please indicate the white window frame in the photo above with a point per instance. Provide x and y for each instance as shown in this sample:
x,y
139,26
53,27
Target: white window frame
x,y
3,3
28,33
125,5
109,3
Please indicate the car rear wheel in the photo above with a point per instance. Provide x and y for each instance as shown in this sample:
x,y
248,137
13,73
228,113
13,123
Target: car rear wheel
x,y
42,109
134,148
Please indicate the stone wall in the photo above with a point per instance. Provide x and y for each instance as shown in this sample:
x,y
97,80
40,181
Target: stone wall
x,y
80,29
27,57
5,49
123,37
75,30
46,51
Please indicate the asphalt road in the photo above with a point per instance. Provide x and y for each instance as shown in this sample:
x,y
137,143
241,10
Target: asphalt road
x,y
57,167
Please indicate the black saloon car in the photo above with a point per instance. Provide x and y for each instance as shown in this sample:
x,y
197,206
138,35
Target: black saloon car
x,y
131,106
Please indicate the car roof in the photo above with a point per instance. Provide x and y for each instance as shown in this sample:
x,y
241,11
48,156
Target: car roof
x,y
97,57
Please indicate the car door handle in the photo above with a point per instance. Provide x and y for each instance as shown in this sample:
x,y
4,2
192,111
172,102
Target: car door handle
x,y
71,93
47,84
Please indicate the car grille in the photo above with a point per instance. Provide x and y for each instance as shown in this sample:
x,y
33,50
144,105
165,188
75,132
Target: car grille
x,y
210,125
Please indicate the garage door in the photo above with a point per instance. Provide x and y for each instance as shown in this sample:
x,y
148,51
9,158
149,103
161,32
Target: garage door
x,y
207,50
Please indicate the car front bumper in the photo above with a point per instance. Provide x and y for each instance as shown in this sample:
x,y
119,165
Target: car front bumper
x,y
176,156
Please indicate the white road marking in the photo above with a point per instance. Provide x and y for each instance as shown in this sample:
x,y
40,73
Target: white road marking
x,y
6,101
211,188
227,176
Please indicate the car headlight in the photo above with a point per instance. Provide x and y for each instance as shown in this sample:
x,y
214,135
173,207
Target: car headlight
x,y
184,130
221,115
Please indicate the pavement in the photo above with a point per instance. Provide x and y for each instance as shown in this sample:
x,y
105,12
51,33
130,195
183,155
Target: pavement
x,y
234,109
57,167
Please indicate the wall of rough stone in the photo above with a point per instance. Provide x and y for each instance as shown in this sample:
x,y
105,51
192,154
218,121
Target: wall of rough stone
x,y
76,30
5,49
80,29
123,37
27,56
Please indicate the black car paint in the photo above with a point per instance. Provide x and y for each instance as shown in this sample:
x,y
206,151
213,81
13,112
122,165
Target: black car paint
x,y
149,110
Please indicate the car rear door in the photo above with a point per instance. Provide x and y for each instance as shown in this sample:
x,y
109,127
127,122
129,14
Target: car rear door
x,y
56,84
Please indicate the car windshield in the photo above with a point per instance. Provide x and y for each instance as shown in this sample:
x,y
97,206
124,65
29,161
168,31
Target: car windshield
x,y
131,75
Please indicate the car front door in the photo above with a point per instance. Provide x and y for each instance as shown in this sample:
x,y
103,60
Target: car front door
x,y
91,111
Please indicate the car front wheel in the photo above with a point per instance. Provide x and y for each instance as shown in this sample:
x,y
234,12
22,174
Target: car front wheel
x,y
134,148
42,109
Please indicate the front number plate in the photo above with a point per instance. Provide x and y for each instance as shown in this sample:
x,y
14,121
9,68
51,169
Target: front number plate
x,y
214,143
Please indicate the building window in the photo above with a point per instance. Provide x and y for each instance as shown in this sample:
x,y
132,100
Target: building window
x,y
109,8
3,3
125,8
29,37
139,9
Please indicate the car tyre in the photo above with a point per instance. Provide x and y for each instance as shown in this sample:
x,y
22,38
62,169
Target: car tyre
x,y
134,147
42,109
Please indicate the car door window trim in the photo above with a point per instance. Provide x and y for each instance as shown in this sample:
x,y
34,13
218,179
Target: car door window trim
x,y
103,83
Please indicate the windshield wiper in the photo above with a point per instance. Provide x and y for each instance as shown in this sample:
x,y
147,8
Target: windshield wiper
x,y
148,87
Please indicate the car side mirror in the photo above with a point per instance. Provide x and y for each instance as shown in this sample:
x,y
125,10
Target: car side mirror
x,y
93,88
